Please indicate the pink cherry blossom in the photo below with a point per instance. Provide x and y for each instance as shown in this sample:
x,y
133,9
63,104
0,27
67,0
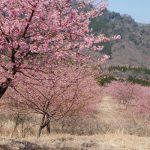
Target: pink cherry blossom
x,y
49,30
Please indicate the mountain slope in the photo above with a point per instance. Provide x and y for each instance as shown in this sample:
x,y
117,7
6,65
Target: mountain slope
x,y
133,48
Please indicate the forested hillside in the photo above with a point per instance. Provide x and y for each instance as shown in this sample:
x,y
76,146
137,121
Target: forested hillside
x,y
134,47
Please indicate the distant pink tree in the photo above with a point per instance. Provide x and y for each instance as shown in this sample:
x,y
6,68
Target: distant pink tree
x,y
36,32
134,96
122,92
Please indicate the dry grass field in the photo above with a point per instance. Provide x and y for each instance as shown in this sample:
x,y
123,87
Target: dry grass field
x,y
109,129
71,142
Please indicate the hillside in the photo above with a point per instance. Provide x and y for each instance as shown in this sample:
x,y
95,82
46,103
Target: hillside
x,y
133,48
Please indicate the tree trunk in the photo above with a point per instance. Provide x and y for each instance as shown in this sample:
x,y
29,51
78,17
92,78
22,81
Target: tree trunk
x,y
4,86
41,126
22,130
16,125
48,128
40,131
45,122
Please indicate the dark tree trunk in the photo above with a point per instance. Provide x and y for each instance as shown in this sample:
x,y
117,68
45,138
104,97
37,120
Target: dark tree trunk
x,y
4,86
3,90
48,128
40,131
45,123
41,126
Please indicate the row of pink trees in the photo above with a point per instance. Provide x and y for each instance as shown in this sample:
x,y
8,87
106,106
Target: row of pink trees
x,y
134,96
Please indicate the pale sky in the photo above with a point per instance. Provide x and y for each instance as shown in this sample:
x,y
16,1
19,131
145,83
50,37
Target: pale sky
x,y
139,10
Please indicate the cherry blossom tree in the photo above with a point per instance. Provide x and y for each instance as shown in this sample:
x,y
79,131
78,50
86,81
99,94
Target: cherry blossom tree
x,y
71,91
38,32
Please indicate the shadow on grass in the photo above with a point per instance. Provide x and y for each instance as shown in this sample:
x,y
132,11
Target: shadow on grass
x,y
23,145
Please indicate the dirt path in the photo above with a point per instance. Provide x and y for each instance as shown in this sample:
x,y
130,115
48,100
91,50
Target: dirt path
x,y
109,110
108,105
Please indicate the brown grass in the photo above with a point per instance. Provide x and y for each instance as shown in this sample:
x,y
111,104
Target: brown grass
x,y
116,141
109,129
109,119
